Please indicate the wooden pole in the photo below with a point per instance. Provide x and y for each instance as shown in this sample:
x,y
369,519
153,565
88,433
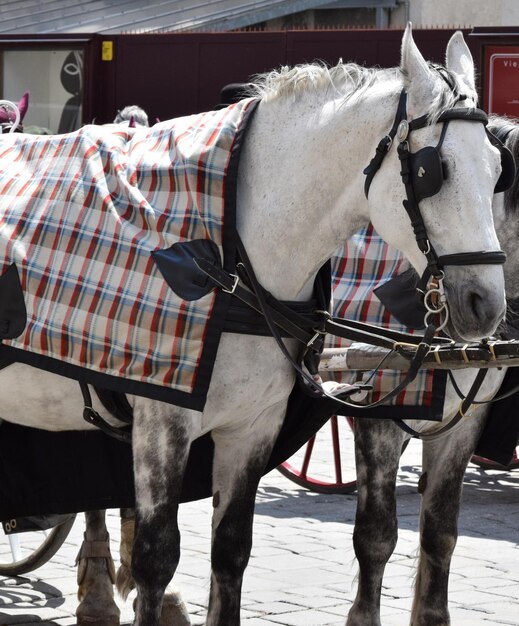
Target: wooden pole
x,y
365,357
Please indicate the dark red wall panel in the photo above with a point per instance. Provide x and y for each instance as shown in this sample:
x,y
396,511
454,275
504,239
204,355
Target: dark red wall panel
x,y
178,74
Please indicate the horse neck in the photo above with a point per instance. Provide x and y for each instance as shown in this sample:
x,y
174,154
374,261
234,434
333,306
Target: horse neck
x,y
300,186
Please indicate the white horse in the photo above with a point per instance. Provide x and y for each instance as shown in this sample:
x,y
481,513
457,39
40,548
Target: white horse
x,y
378,445
300,194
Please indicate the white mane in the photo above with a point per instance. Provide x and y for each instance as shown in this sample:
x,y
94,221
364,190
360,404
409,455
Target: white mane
x,y
345,79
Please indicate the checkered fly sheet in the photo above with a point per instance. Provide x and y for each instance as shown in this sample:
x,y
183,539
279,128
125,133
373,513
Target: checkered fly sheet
x,y
364,263
81,215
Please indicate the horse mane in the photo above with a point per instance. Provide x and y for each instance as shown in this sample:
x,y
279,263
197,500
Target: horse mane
x,y
507,130
347,79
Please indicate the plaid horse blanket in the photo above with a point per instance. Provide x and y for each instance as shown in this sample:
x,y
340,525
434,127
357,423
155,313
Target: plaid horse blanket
x,y
364,263
92,225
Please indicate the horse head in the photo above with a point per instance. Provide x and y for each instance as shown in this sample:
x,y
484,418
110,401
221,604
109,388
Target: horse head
x,y
449,169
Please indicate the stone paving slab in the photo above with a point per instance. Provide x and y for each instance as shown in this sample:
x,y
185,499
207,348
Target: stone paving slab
x,y
302,567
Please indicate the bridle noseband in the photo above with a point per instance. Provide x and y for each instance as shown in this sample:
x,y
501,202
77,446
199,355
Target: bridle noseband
x,y
423,173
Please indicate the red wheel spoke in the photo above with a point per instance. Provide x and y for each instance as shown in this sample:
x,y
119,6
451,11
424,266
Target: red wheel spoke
x,y
327,461
308,455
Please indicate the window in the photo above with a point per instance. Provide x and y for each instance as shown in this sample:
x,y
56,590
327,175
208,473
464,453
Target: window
x,y
54,79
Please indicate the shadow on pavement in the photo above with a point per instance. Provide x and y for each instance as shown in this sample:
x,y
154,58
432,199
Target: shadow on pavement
x,y
490,503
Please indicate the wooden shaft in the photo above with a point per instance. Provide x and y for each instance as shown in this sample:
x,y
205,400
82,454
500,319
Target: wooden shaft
x,y
365,357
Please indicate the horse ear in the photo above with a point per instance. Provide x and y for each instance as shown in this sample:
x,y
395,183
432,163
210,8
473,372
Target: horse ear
x,y
418,77
413,65
459,60
23,105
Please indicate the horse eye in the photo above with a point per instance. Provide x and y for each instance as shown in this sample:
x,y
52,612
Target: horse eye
x,y
445,169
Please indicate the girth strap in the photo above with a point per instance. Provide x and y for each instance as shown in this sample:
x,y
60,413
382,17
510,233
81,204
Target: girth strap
x,y
91,416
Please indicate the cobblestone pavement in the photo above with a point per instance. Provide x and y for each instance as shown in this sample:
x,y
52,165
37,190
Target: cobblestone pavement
x,y
302,567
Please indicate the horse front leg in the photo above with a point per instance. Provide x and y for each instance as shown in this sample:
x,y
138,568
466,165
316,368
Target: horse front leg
x,y
162,438
174,611
96,575
378,446
239,461
444,463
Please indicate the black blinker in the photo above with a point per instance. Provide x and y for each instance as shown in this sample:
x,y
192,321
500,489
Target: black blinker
x,y
508,168
427,172
508,171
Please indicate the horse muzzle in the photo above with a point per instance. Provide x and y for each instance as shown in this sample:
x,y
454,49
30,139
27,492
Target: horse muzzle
x,y
476,306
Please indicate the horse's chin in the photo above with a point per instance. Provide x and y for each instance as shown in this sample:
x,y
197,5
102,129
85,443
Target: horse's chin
x,y
467,334
450,329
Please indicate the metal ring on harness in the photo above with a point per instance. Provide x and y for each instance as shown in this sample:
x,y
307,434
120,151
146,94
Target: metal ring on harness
x,y
433,308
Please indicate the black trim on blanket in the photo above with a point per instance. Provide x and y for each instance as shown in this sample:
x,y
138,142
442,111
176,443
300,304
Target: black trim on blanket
x,y
216,322
432,413
9,354
13,314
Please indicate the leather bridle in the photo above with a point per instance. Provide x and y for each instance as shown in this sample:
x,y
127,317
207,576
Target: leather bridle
x,y
423,174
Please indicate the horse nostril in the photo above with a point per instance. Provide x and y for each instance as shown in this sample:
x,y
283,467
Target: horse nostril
x,y
476,304
483,312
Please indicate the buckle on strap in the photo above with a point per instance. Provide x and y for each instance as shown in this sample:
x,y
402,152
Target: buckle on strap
x,y
232,289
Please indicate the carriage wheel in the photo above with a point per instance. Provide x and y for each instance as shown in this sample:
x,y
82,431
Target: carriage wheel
x,y
487,464
21,553
326,464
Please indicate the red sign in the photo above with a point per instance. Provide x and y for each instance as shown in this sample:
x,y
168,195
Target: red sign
x,y
502,80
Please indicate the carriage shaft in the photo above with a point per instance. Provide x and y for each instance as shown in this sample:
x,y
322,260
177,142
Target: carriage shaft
x,y
365,357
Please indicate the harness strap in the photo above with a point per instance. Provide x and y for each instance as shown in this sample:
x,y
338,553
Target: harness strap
x,y
494,257
383,337
91,416
461,113
231,285
465,405
294,324
498,398
385,143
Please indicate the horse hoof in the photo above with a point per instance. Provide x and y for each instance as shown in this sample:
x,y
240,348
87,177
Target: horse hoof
x,y
86,620
89,616
174,612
